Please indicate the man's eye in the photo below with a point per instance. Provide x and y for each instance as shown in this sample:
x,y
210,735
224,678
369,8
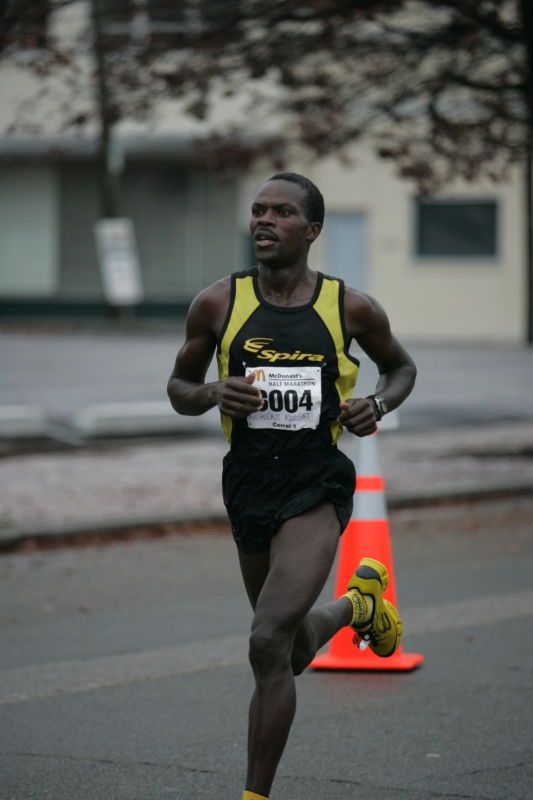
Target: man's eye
x,y
284,212
257,211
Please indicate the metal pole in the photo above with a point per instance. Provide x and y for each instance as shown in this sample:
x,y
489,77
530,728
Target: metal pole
x,y
108,173
526,14
529,240
105,155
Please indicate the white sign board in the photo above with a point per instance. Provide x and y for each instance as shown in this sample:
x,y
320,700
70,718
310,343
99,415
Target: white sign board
x,y
119,263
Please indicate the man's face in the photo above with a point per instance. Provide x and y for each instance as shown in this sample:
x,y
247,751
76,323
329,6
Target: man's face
x,y
280,229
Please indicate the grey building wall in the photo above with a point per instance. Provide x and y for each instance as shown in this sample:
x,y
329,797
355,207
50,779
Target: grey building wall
x,y
185,222
77,212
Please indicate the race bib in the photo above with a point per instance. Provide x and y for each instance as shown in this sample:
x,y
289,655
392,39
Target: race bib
x,y
292,397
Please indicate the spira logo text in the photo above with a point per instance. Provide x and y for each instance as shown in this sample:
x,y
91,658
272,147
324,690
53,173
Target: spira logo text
x,y
260,347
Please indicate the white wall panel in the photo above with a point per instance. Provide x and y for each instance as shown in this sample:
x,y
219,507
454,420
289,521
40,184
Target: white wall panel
x,y
28,230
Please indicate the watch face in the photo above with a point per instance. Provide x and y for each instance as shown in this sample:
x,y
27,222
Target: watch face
x,y
382,405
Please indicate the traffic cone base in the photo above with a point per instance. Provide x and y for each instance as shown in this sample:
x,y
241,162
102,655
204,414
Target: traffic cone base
x,y
344,654
399,662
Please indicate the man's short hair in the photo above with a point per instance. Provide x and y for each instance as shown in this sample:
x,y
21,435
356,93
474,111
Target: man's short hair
x,y
314,202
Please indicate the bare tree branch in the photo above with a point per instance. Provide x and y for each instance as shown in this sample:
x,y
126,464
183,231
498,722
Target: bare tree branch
x,y
444,89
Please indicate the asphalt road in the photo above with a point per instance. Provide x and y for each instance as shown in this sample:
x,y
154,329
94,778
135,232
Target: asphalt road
x,y
123,673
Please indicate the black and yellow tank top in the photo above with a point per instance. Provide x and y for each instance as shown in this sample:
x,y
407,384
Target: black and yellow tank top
x,y
300,358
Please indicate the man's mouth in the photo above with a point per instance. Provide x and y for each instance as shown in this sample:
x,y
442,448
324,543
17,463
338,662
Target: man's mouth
x,y
265,239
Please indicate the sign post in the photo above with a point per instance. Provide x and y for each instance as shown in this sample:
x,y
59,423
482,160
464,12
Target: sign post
x,y
116,247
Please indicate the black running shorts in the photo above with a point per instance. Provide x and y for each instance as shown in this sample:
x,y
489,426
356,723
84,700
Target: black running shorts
x,y
262,493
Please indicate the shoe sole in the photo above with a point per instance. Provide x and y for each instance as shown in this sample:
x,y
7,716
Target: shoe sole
x,y
372,570
394,614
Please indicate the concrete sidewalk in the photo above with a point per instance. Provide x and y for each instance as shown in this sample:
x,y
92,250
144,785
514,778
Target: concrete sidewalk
x,y
151,484
466,432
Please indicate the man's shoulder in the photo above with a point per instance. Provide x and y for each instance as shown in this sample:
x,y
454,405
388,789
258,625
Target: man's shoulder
x,y
211,305
221,289
359,300
215,293
220,292
362,312
351,295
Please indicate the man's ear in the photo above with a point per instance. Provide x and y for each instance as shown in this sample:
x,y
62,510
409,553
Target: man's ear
x,y
313,231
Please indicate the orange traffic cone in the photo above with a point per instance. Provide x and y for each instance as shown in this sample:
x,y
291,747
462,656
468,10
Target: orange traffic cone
x,y
367,535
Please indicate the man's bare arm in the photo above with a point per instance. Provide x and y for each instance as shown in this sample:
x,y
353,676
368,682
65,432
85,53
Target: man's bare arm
x,y
187,390
367,322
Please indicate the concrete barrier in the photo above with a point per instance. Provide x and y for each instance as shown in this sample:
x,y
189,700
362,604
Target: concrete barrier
x,y
21,422
147,418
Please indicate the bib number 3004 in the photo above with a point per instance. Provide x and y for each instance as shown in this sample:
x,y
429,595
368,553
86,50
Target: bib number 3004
x,y
291,397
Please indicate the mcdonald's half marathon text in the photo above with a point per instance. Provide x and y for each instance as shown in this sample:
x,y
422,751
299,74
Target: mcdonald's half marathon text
x,y
291,397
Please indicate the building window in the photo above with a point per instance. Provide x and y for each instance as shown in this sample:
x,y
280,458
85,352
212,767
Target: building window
x,y
25,24
166,11
116,10
164,18
456,228
120,15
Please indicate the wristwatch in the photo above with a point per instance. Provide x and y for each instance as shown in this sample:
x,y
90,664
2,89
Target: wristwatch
x,y
380,405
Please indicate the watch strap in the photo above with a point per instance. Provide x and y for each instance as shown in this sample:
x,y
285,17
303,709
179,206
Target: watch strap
x,y
379,412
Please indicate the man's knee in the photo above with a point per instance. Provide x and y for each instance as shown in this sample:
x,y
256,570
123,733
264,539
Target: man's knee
x,y
270,649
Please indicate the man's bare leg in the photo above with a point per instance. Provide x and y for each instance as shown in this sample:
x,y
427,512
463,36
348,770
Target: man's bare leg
x,y
301,556
318,627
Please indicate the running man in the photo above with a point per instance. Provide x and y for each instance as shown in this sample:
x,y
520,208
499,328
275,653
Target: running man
x,y
281,333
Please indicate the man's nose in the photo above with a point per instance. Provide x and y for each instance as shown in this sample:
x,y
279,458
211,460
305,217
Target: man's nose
x,y
266,217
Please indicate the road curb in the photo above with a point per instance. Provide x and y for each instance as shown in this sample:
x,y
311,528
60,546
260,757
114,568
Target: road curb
x,y
101,531
12,539
471,494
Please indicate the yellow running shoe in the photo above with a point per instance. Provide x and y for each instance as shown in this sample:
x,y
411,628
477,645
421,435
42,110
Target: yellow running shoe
x,y
384,629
